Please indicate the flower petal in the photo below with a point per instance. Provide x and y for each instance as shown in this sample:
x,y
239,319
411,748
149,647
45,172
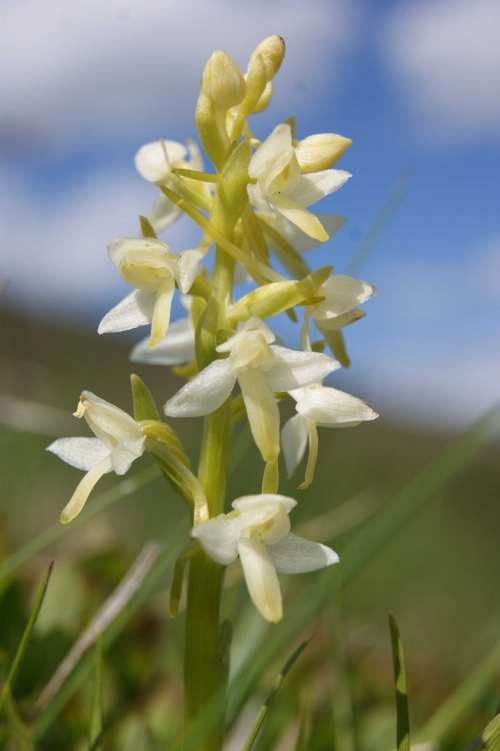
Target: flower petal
x,y
125,453
262,411
248,502
339,322
294,555
330,407
134,310
312,188
153,164
218,538
342,294
118,249
297,214
298,239
164,213
258,198
204,393
293,369
84,489
294,438
261,578
82,453
279,141
161,313
176,348
109,422
187,268
195,155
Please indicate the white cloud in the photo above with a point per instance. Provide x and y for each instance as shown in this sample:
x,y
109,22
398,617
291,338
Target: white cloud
x,y
446,53
54,250
88,68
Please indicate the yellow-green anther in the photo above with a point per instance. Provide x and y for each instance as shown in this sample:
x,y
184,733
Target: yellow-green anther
x,y
271,299
272,50
206,333
223,82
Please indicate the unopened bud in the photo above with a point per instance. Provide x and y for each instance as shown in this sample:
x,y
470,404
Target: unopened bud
x,y
320,152
223,82
272,50
264,98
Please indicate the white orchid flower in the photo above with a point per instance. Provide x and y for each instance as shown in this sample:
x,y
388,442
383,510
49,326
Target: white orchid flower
x,y
342,296
258,531
261,368
117,444
176,347
279,183
154,162
147,265
298,239
318,406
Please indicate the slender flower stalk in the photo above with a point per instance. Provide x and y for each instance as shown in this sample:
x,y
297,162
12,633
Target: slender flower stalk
x,y
253,207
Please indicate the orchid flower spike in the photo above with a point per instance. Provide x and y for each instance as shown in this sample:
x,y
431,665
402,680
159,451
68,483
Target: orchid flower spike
x,y
155,161
278,183
117,444
147,265
318,406
258,531
261,368
177,346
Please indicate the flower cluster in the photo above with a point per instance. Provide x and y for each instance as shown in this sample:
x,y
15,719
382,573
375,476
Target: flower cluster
x,y
255,208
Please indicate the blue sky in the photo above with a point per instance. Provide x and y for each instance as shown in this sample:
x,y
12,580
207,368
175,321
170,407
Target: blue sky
x,y
85,84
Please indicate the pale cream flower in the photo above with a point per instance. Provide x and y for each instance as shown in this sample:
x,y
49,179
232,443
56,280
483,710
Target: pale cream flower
x,y
258,531
343,295
117,444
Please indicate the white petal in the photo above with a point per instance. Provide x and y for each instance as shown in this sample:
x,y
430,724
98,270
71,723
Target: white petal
x,y
249,502
298,239
218,538
294,439
187,268
125,453
195,155
262,412
330,407
258,198
204,393
312,188
294,555
176,348
109,422
293,369
279,141
338,322
161,313
153,164
82,453
134,310
261,578
342,294
297,214
84,489
118,249
163,213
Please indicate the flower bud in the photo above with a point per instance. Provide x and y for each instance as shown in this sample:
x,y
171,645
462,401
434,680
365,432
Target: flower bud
x,y
320,152
272,50
265,98
223,82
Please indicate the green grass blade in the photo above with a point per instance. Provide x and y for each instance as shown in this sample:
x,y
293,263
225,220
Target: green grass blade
x,y
58,531
16,729
489,739
23,646
369,541
403,717
463,699
96,707
306,718
276,687
156,575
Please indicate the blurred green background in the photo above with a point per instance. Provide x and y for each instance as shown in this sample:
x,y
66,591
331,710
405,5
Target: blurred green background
x,y
439,574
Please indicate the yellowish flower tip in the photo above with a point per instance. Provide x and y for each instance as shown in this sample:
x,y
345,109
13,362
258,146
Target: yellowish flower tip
x,y
223,82
272,51
80,411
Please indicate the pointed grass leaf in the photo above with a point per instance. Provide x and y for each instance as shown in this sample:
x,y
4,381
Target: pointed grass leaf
x,y
403,719
274,690
489,739
96,705
24,644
